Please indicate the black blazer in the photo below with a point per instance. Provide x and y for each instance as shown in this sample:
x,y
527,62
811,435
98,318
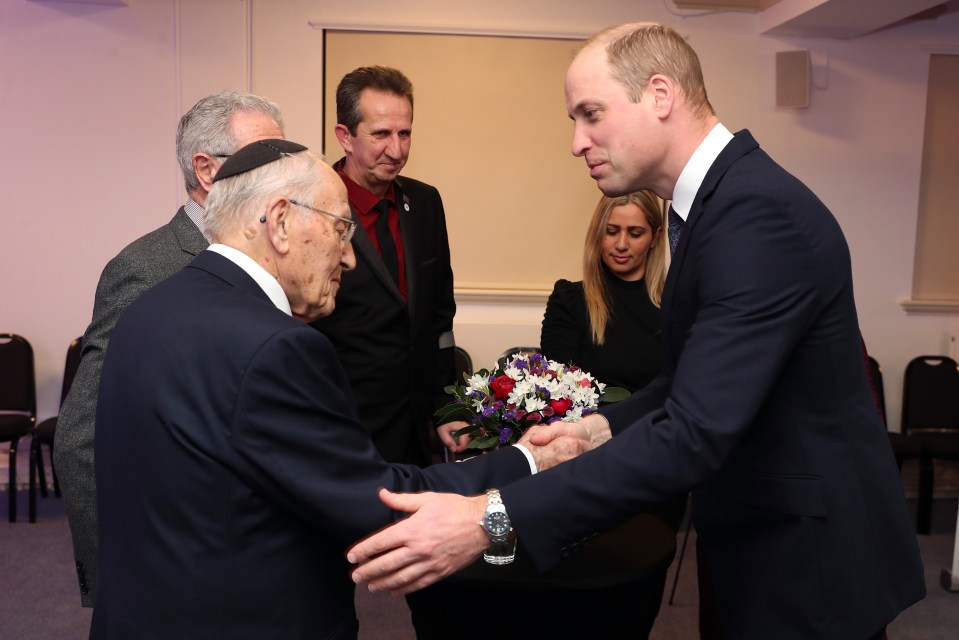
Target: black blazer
x,y
390,349
765,412
232,472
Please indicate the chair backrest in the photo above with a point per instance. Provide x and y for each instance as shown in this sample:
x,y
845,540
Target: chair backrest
x,y
18,391
462,363
512,351
875,372
74,353
930,396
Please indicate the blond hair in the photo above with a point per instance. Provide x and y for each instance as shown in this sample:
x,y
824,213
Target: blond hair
x,y
638,51
594,286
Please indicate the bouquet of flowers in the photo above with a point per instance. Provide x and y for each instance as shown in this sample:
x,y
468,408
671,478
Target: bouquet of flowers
x,y
522,391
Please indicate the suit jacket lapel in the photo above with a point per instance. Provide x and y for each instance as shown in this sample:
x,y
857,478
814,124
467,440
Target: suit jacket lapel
x,y
405,210
741,144
187,234
363,246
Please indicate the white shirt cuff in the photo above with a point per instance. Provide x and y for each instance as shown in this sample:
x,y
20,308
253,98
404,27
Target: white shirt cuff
x,y
529,458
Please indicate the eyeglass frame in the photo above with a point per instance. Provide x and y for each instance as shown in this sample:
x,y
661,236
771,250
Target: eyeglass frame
x,y
347,235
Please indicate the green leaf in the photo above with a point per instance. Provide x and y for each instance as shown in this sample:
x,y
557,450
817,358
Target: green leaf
x,y
614,394
465,431
483,442
452,410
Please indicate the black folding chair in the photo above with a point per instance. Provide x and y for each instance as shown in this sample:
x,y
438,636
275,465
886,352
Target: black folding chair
x,y
18,402
930,415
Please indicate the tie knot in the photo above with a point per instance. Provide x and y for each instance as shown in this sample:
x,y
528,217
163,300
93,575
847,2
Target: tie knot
x,y
383,206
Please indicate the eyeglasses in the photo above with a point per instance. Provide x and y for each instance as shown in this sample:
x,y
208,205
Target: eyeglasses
x,y
345,236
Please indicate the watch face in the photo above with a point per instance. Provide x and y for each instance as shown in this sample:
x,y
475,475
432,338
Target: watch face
x,y
497,524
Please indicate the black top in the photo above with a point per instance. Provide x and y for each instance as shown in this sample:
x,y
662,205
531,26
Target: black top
x,y
632,353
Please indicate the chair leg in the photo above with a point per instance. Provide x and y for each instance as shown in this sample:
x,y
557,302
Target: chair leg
x,y
53,472
12,489
41,469
32,508
924,506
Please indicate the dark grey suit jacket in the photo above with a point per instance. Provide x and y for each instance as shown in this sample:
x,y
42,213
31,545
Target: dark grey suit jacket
x,y
765,413
142,264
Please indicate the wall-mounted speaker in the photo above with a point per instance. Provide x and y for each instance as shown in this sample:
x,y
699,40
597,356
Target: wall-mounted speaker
x,y
792,79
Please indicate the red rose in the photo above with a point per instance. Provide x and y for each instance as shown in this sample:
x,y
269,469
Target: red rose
x,y
502,386
561,406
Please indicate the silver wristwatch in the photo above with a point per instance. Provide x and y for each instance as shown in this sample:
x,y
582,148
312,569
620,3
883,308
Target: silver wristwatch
x,y
495,521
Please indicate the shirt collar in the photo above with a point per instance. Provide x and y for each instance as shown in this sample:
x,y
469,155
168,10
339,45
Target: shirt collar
x,y
197,215
695,171
260,275
362,199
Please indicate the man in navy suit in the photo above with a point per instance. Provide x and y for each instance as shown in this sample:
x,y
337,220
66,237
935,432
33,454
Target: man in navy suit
x,y
764,411
232,470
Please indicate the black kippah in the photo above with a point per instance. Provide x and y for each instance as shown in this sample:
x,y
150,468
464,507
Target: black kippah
x,y
256,154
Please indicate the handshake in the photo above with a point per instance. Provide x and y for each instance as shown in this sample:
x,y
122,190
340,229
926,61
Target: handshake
x,y
442,535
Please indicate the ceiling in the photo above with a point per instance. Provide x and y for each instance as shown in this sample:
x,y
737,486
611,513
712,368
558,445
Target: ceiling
x,y
827,18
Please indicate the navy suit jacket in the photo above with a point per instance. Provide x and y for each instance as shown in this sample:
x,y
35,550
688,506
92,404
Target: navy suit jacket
x,y
390,347
232,472
764,412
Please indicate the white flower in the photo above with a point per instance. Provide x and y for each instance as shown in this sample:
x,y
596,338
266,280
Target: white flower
x,y
514,372
477,382
534,404
584,396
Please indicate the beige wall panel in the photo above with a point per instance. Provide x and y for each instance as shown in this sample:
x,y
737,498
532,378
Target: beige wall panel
x,y
936,273
490,131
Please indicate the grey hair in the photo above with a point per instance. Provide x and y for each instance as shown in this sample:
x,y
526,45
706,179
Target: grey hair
x,y
297,176
206,128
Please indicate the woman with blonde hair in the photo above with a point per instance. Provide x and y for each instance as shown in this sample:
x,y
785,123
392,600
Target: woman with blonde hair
x,y
609,323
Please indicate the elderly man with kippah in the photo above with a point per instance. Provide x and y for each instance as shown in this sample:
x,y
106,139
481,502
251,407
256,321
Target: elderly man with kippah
x,y
232,468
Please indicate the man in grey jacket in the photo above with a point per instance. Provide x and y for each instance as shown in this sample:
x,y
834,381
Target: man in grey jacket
x,y
212,130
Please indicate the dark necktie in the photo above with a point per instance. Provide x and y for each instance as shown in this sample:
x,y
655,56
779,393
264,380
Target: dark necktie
x,y
675,229
385,239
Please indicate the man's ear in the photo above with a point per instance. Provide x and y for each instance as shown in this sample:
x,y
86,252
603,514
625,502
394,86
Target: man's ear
x,y
205,168
662,93
344,137
278,223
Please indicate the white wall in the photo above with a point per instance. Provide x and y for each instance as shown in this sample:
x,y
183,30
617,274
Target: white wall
x,y
90,96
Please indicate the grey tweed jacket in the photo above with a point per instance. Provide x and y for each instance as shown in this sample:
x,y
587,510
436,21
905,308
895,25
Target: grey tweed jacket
x,y
142,264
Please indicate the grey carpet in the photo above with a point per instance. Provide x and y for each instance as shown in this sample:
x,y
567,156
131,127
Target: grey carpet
x,y
40,599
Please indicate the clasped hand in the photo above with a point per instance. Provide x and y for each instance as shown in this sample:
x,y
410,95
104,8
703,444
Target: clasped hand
x,y
443,533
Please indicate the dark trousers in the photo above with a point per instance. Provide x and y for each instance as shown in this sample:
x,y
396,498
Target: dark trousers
x,y
624,612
